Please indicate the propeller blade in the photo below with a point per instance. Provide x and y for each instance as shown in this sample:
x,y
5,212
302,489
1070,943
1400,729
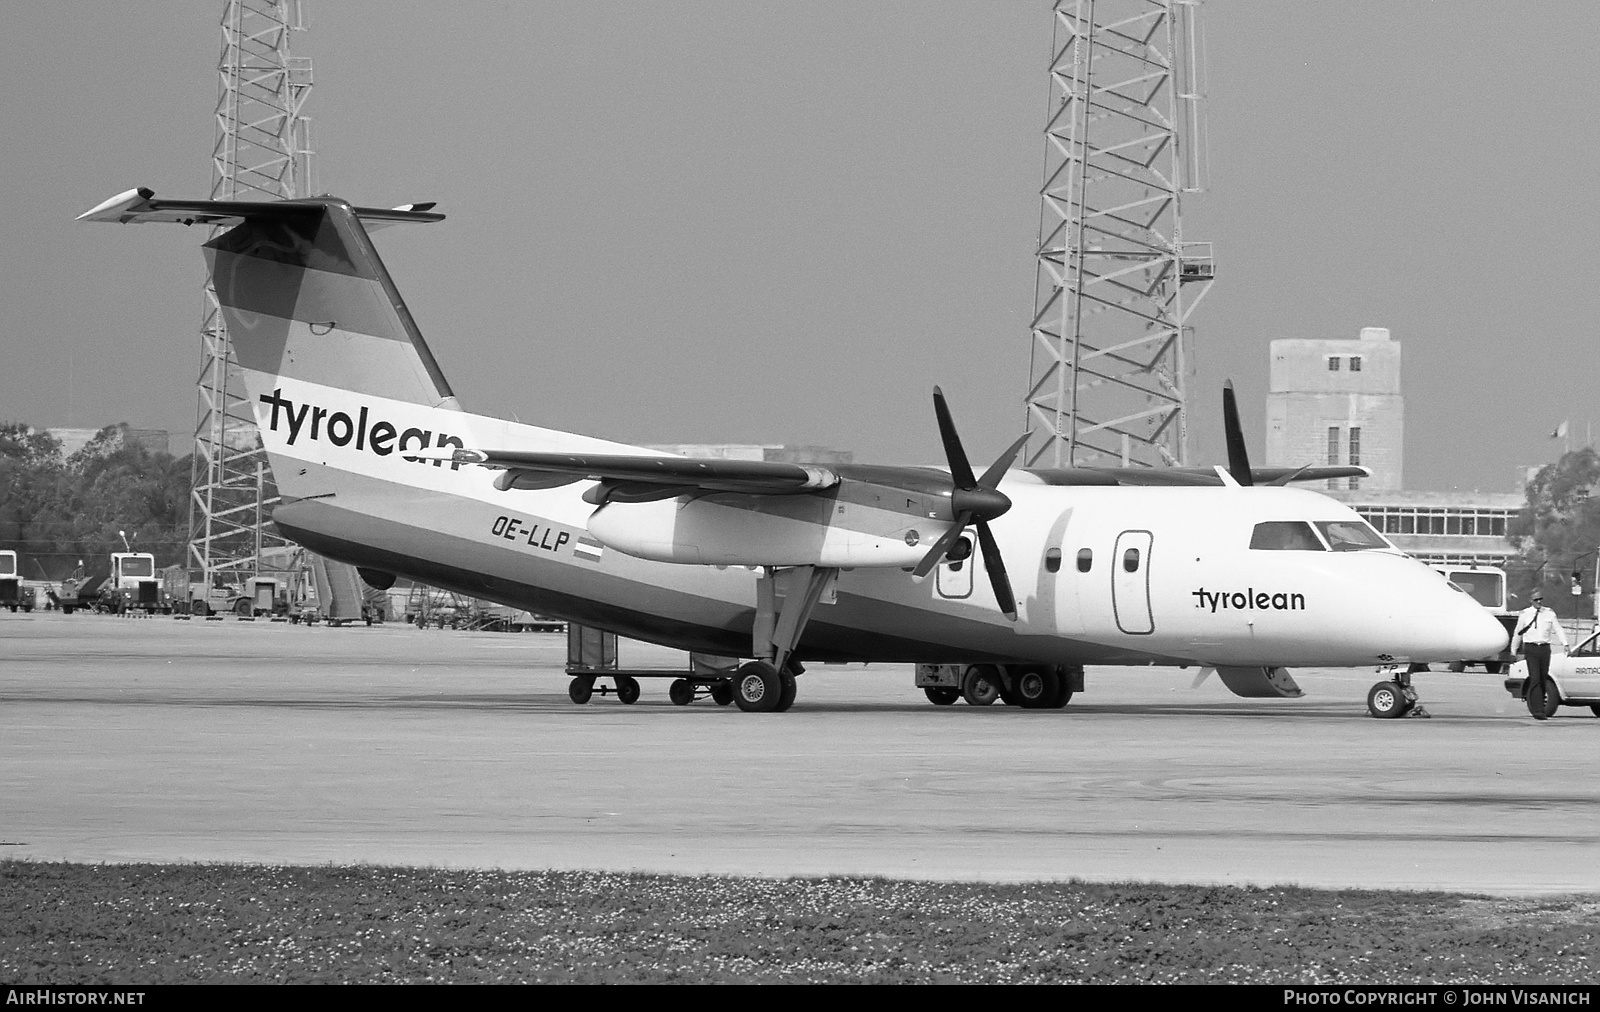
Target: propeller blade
x,y
997,572
1238,458
942,546
1002,464
960,470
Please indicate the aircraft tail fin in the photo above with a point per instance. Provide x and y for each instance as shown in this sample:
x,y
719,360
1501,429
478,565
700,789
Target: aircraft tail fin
x,y
303,292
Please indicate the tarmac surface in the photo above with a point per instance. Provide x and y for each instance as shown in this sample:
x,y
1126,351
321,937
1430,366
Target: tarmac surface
x,y
126,740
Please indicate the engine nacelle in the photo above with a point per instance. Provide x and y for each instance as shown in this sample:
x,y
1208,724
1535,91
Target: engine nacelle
x,y
737,530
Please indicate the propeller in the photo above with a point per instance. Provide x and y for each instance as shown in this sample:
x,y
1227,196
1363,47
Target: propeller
x,y
1238,459
974,501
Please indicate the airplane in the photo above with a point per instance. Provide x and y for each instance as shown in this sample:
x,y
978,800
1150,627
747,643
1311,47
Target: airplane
x,y
1227,569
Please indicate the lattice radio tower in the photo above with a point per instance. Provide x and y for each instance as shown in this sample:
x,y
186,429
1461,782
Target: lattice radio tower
x,y
262,152
1115,280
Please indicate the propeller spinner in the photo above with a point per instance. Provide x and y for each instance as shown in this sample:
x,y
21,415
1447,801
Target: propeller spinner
x,y
974,501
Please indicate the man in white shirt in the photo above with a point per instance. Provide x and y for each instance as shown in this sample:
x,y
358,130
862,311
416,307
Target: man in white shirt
x,y
1537,627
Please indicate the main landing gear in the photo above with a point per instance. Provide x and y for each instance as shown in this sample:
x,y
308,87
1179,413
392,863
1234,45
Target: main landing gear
x,y
1396,697
785,599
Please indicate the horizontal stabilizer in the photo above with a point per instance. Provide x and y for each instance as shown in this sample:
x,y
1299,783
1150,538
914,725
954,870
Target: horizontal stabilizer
x,y
142,205
674,475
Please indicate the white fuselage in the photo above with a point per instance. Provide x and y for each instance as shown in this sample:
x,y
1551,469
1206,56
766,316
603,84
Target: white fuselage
x,y
1170,575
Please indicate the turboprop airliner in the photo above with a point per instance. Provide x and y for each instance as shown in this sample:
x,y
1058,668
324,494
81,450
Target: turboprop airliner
x,y
1227,569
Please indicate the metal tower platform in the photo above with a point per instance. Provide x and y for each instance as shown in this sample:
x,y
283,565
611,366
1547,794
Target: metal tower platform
x,y
262,152
1115,280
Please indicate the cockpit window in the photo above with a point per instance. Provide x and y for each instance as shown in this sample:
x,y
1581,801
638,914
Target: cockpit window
x,y
1350,535
1285,536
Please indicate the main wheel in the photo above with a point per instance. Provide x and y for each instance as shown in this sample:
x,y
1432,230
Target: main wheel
x,y
980,686
1458,666
789,687
1387,700
627,689
757,687
1493,667
1064,688
681,692
581,688
722,692
941,696
1037,687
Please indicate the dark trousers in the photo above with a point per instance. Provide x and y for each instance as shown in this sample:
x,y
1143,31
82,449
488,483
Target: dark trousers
x,y
1538,657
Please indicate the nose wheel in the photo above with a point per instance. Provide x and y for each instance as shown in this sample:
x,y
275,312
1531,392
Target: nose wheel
x,y
1396,697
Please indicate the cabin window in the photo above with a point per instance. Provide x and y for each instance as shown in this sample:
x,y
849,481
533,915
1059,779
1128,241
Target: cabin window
x,y
1333,363
1285,536
1130,560
1085,559
1350,535
1052,560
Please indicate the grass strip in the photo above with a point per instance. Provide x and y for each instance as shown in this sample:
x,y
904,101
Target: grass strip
x,y
150,924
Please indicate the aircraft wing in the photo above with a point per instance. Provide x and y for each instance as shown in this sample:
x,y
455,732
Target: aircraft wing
x,y
1188,475
627,478
142,205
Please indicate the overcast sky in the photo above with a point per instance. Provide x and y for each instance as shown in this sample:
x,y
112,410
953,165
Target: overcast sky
x,y
740,222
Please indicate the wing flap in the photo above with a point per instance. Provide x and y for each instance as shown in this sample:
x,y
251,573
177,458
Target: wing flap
x,y
627,476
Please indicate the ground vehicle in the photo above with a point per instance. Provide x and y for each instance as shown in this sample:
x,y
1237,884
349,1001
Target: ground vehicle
x,y
1576,674
1487,586
133,585
12,594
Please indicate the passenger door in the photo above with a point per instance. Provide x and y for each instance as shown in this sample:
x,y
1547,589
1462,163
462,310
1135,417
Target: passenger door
x,y
954,576
1130,583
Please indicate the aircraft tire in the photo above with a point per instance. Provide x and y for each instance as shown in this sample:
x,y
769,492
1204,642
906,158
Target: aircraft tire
x,y
790,687
722,692
757,687
1493,667
681,692
941,696
1386,701
1037,687
980,685
627,689
1063,689
580,689
1458,666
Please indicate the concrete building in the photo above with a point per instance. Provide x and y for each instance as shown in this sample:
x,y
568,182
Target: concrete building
x,y
1338,401
1455,528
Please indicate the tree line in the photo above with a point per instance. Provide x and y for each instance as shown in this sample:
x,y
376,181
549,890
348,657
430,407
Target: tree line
x,y
57,509
1557,535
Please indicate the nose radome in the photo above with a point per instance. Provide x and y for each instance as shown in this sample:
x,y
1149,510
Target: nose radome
x,y
1481,632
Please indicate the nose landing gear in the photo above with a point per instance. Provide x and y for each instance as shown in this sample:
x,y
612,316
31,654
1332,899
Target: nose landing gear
x,y
1396,697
